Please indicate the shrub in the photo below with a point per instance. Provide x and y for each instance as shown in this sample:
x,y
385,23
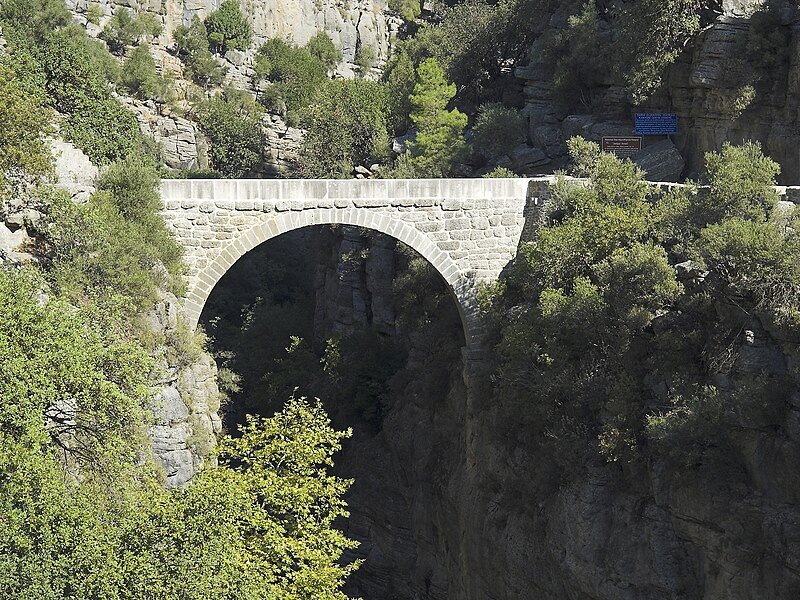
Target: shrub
x,y
408,9
139,74
741,181
365,58
25,121
346,126
500,173
228,28
201,66
321,46
125,28
296,74
498,129
232,123
652,33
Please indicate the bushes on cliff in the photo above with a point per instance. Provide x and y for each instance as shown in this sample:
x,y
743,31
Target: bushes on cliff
x,y
126,28
116,247
25,121
346,126
139,75
228,28
295,75
192,44
232,122
614,353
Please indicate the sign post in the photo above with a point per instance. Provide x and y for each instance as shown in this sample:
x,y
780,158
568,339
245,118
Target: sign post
x,y
656,123
620,145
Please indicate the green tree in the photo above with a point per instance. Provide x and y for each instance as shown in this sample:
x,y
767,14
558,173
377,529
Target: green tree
x,y
228,28
408,9
296,75
232,123
400,78
439,145
498,129
34,19
322,47
25,121
126,28
346,126
201,66
652,33
139,75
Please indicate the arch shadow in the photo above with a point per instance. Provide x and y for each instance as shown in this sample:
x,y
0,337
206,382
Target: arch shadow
x,y
460,285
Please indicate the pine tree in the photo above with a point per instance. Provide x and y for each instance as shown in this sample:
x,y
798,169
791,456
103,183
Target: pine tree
x,y
439,145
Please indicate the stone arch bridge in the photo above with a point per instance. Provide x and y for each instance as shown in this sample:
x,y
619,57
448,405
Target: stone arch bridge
x,y
468,229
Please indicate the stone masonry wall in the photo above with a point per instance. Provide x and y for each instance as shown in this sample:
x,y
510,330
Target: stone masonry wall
x,y
468,229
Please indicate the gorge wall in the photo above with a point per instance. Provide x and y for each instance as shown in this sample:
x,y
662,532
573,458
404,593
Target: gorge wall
x,y
718,90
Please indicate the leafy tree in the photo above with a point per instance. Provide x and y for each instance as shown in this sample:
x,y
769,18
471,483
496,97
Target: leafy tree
x,y
346,126
201,66
498,129
741,183
139,75
439,145
400,78
232,123
228,28
296,74
408,9
34,19
125,29
581,57
652,35
25,121
321,46
365,58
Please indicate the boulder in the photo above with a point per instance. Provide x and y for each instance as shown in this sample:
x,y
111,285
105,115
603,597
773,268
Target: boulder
x,y
74,170
661,161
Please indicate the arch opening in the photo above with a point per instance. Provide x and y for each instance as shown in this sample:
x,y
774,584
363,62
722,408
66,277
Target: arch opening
x,y
405,407
459,285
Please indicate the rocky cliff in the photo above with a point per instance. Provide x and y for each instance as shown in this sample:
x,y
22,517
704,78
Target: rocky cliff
x,y
720,90
186,401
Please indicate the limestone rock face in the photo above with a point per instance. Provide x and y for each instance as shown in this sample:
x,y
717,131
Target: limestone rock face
x,y
74,170
354,284
350,25
716,92
186,407
185,146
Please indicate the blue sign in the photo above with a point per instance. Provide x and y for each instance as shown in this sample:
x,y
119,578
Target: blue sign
x,y
656,123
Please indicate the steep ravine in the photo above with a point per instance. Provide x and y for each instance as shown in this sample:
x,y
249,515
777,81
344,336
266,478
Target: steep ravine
x,y
453,500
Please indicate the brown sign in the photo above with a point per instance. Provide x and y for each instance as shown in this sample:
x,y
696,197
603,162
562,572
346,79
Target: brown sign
x,y
622,146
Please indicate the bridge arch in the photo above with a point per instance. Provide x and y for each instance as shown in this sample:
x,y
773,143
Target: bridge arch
x,y
460,285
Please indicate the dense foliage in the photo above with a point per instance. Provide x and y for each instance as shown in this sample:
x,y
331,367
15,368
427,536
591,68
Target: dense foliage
x,y
295,73
439,145
25,120
193,47
228,28
637,312
346,126
85,517
232,122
